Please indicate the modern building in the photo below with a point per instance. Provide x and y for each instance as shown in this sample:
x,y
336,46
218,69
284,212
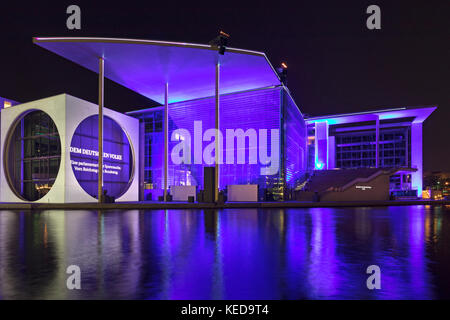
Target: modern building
x,y
387,138
231,113
49,152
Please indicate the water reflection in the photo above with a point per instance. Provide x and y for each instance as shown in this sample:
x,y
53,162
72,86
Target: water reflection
x,y
228,254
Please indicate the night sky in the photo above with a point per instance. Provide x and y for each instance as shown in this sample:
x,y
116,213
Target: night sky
x,y
336,65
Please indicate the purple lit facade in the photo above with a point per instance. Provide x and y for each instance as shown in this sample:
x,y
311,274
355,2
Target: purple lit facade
x,y
264,109
390,138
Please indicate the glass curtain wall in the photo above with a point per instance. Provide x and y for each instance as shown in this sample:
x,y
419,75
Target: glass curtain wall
x,y
34,155
295,143
245,118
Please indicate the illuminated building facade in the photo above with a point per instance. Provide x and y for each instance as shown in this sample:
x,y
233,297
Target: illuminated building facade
x,y
49,152
266,110
388,138
231,112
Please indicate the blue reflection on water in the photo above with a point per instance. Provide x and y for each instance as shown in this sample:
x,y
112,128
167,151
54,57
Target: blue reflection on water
x,y
312,253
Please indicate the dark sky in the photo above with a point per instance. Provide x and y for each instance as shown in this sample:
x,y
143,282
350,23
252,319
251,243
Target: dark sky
x,y
336,64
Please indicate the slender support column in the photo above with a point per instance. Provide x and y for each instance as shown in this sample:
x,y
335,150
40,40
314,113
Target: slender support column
x,y
141,160
101,67
407,162
218,150
331,152
281,146
401,181
321,147
377,138
166,136
22,134
416,157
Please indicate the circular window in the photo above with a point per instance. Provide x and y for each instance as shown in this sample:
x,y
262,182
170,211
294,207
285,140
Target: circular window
x,y
32,155
117,157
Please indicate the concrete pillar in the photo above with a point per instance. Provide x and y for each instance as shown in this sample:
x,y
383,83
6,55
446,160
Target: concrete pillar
x,y
321,146
377,141
331,152
101,69
218,146
166,136
416,157
401,181
141,160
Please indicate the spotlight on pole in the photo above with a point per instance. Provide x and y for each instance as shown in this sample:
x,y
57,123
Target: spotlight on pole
x,y
282,73
220,42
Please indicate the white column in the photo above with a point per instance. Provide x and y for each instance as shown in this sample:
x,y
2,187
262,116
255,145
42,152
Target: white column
x,y
416,157
377,141
321,145
166,136
401,181
331,158
101,67
217,144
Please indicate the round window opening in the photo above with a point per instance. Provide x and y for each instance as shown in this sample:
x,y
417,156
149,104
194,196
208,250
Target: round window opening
x,y
117,157
33,155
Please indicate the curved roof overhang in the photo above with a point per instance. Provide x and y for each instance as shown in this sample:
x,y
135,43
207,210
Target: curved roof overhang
x,y
145,66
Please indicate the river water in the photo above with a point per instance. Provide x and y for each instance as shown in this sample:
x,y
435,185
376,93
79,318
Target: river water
x,y
317,253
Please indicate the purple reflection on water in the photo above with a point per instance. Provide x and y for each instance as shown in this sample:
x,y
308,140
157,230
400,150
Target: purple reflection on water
x,y
227,254
417,253
323,272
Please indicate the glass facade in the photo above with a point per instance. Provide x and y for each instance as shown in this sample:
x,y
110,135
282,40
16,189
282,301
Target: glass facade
x,y
395,147
253,144
258,112
295,145
358,149
153,153
33,155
